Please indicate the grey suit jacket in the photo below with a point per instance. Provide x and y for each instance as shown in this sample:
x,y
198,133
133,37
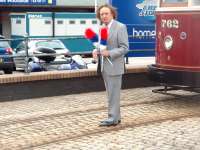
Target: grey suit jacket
x,y
117,44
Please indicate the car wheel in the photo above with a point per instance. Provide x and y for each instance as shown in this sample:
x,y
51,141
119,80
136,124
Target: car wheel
x,y
8,71
29,67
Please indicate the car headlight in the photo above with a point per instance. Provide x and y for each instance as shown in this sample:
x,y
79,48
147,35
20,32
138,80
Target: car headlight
x,y
168,42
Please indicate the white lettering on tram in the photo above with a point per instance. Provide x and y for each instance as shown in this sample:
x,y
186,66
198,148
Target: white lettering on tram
x,y
170,23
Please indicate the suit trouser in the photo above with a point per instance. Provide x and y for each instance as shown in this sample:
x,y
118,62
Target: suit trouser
x,y
113,88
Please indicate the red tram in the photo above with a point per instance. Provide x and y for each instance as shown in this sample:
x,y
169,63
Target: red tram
x,y
177,43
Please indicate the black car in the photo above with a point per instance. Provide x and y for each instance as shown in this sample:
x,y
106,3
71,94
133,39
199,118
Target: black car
x,y
6,60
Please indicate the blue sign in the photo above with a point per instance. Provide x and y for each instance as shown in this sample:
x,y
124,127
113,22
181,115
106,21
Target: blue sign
x,y
139,17
27,2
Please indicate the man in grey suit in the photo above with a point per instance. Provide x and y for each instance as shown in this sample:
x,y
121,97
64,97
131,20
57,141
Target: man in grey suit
x,y
113,61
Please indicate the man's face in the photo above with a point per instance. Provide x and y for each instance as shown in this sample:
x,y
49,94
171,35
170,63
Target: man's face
x,y
105,15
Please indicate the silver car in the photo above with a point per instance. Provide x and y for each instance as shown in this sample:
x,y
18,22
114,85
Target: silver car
x,y
53,48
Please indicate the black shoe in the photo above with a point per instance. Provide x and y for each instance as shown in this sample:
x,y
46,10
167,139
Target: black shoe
x,y
119,121
109,123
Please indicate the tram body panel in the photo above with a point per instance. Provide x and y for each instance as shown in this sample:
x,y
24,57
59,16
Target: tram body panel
x,y
183,27
177,44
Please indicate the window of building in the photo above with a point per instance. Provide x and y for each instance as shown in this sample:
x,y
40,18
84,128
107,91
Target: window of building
x,y
18,21
60,22
47,22
82,22
94,21
72,22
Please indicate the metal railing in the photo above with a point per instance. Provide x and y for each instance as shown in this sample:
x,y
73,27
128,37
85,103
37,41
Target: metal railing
x,y
28,55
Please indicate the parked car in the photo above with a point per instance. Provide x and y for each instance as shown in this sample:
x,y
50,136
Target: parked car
x,y
53,48
6,60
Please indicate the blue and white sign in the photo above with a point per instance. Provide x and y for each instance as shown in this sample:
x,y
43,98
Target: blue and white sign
x,y
147,9
27,2
139,17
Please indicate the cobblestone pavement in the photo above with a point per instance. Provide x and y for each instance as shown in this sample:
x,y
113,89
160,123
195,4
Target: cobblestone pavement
x,y
150,121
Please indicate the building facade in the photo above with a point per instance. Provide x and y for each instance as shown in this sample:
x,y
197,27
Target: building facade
x,y
23,6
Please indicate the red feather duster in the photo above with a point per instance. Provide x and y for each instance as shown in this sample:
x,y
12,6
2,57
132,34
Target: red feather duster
x,y
104,35
91,35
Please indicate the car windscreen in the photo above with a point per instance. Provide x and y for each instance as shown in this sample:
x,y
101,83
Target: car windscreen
x,y
4,44
50,44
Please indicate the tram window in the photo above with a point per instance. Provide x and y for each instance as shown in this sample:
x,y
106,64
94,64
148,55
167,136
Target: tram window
x,y
174,3
195,2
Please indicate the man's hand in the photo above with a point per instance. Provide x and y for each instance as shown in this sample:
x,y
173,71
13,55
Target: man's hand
x,y
105,53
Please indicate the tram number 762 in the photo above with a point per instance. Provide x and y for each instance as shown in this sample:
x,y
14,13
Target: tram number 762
x,y
170,23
